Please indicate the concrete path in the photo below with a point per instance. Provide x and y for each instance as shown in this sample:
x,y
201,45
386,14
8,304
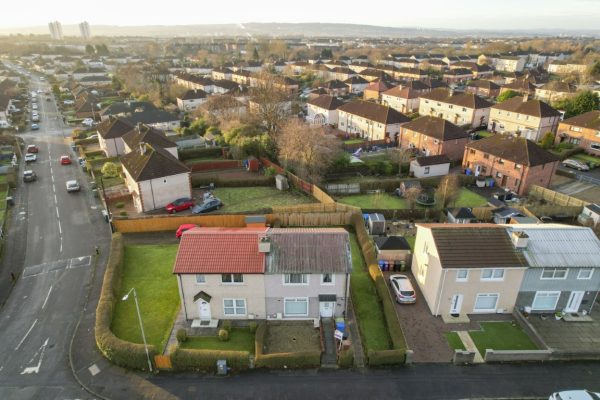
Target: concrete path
x,y
359,355
470,345
179,324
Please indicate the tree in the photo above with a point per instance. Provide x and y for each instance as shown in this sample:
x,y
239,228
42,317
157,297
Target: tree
x,y
102,49
401,156
110,170
547,140
447,191
585,101
326,53
509,94
89,49
255,54
270,103
306,149
412,194
246,140
218,110
595,69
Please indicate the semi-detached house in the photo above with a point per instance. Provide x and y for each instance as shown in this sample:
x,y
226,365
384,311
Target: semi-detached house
x,y
323,110
370,120
458,108
582,130
432,136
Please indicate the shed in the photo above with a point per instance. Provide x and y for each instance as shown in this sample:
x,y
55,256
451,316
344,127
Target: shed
x,y
281,182
503,214
393,249
424,167
460,215
376,224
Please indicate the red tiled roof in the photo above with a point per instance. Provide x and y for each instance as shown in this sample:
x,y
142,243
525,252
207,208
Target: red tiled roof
x,y
220,250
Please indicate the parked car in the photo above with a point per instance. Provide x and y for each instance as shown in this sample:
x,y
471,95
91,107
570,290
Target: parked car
x,y
35,118
181,204
65,160
29,176
30,157
35,127
73,186
32,148
34,106
575,164
68,102
208,206
403,289
575,395
87,122
48,99
183,228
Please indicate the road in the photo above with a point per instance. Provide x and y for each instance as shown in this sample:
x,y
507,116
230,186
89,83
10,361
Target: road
x,y
37,321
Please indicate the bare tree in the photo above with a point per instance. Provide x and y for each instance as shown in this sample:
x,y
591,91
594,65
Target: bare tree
x,y
448,190
306,149
412,194
401,156
221,109
270,102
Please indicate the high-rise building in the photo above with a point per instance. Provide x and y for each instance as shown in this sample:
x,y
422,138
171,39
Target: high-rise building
x,y
56,30
84,29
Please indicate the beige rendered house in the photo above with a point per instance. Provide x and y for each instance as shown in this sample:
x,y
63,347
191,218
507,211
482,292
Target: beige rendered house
x,y
467,268
458,108
370,120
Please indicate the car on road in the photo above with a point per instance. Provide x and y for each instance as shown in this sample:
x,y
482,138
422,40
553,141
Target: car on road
x,y
29,176
34,106
575,164
32,148
182,228
403,289
73,186
30,157
35,118
209,205
181,204
35,127
65,160
48,99
575,395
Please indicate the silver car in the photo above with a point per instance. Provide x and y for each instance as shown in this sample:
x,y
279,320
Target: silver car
x,y
575,164
403,289
73,186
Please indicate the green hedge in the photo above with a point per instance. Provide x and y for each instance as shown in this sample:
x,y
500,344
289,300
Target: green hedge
x,y
346,358
364,240
386,357
118,351
389,312
199,180
206,360
208,152
85,141
302,359
392,184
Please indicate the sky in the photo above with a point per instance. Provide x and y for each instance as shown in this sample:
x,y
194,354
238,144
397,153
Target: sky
x,y
453,14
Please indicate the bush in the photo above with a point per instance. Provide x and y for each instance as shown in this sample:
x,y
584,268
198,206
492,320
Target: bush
x,y
227,325
208,152
223,335
123,213
270,171
206,360
252,326
110,170
181,335
301,359
346,358
120,204
386,357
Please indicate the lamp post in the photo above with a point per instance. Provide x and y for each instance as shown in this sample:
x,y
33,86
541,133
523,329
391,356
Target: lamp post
x,y
137,306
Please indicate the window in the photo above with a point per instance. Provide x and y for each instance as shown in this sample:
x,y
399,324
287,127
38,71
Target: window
x,y
486,302
575,129
595,146
200,279
498,175
327,279
486,156
500,161
232,278
234,306
518,166
472,151
554,273
426,171
492,274
585,273
462,275
295,279
545,301
464,109
295,306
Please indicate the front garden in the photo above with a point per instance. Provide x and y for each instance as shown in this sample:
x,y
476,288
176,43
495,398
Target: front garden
x,y
505,335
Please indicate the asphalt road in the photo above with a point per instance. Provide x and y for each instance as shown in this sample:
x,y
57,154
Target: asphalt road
x,y
37,321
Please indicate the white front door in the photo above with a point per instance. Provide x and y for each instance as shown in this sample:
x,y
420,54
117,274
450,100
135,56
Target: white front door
x,y
574,302
456,304
326,309
204,307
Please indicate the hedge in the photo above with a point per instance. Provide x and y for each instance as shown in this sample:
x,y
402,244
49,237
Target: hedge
x,y
303,359
346,358
208,152
386,357
206,360
85,141
389,310
118,351
199,181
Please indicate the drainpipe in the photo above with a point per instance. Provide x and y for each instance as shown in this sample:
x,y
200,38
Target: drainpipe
x,y
437,310
182,296
592,306
346,294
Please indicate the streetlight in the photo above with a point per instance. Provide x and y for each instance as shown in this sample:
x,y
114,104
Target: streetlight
x,y
137,306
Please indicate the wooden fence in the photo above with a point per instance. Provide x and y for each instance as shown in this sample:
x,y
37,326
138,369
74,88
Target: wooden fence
x,y
172,222
216,165
343,188
554,197
163,362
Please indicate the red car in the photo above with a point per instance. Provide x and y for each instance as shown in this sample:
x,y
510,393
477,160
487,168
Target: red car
x,y
65,160
32,148
179,205
183,228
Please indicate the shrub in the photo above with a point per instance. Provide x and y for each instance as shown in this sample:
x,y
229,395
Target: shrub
x,y
110,170
346,358
206,360
223,335
270,171
120,204
227,325
181,335
252,327
302,359
386,357
123,213
208,152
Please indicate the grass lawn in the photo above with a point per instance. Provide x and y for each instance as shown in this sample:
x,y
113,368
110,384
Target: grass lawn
x,y
380,200
240,339
501,336
190,161
2,179
149,270
466,198
454,341
411,241
366,305
258,197
292,337
110,182
484,134
354,141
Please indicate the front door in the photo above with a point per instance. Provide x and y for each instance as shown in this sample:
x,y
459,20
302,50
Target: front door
x,y
574,302
326,309
456,304
204,309
503,183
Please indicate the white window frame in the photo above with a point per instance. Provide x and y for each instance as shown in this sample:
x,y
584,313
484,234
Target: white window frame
x,y
235,308
492,278
296,299
486,310
232,280
546,293
202,281
554,278
295,284
591,271
332,283
466,277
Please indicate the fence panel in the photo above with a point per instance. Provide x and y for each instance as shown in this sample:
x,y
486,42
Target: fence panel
x,y
163,362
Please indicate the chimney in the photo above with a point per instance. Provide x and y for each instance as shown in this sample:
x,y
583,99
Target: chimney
x,y
525,97
450,92
143,148
264,244
519,239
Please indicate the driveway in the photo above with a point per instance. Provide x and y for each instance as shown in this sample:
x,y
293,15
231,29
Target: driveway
x,y
425,333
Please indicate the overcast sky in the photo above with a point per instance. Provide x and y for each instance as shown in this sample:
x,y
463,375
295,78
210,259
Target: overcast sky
x,y
461,14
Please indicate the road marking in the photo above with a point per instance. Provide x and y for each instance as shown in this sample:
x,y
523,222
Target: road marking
x,y
57,214
27,334
36,369
55,200
52,181
47,297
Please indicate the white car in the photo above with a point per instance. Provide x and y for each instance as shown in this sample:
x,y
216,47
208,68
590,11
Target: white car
x,y
34,106
575,395
30,157
68,102
87,122
403,289
73,186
